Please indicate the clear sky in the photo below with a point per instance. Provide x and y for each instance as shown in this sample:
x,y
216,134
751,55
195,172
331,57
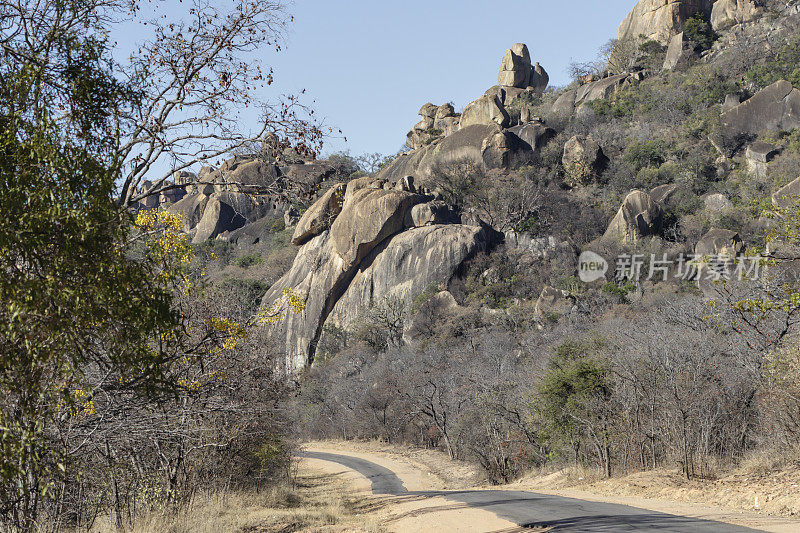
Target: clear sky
x,y
369,65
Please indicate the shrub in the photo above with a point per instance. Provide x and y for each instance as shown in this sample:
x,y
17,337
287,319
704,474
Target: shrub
x,y
248,260
276,225
698,30
621,291
429,292
645,154
344,165
783,65
246,292
704,86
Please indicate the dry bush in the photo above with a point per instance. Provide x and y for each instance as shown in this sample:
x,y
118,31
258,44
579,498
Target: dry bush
x,y
314,502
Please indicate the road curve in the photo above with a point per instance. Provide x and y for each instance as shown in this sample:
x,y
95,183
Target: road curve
x,y
529,509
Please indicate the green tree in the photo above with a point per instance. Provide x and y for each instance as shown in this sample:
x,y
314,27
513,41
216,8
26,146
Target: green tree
x,y
95,315
575,400
72,298
699,31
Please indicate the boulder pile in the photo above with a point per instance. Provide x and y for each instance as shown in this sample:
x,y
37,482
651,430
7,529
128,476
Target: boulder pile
x,y
219,202
498,129
363,243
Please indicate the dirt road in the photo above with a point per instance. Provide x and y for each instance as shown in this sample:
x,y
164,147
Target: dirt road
x,y
413,500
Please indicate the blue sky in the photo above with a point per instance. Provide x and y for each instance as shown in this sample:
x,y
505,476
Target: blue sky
x,y
368,66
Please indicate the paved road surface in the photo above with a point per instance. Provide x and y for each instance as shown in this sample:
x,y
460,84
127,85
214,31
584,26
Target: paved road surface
x,y
529,509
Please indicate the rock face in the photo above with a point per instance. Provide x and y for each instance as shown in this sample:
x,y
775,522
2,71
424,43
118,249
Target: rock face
x,y
726,12
659,20
320,215
406,265
680,53
773,108
384,243
583,158
662,193
788,195
639,216
218,217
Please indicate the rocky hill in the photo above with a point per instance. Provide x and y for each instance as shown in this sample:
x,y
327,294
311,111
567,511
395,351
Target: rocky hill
x,y
661,151
549,275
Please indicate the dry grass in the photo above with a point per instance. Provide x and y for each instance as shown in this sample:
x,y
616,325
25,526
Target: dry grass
x,y
318,502
764,462
765,482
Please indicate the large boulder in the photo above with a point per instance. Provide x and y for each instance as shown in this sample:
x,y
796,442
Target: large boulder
x,y
435,121
190,208
680,53
553,303
564,104
515,69
601,89
716,203
758,155
446,120
534,134
403,267
431,213
309,173
504,149
788,195
714,255
638,216
466,143
320,215
243,173
372,253
719,242
774,108
218,217
486,110
539,78
367,218
659,20
583,159
253,232
727,12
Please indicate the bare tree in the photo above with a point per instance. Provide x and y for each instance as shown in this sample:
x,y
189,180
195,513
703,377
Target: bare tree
x,y
193,76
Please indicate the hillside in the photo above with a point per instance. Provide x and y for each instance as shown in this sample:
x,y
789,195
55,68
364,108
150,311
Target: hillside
x,y
460,269
595,279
